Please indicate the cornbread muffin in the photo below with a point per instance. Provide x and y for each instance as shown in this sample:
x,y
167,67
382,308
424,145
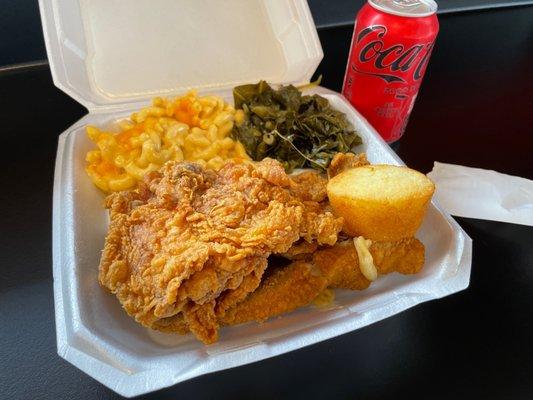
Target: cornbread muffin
x,y
380,202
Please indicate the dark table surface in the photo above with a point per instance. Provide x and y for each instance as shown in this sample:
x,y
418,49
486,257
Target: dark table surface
x,y
474,108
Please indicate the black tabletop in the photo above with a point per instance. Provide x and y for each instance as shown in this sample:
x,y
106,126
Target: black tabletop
x,y
474,108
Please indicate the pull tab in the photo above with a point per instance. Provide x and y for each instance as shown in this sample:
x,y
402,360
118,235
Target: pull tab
x,y
406,3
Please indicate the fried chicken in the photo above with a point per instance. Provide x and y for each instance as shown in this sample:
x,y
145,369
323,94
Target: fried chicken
x,y
343,161
189,244
299,283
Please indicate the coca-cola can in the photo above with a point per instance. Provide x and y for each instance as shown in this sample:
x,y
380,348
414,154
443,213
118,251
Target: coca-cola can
x,y
391,45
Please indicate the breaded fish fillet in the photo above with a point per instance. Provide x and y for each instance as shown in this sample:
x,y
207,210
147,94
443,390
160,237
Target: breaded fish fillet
x,y
298,284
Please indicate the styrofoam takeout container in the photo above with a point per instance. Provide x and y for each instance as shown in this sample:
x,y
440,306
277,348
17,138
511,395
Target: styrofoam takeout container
x,y
112,56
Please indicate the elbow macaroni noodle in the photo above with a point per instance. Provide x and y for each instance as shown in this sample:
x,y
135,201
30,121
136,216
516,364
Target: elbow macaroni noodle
x,y
187,128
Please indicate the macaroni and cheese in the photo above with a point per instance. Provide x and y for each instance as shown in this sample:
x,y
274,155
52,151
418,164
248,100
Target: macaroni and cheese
x,y
188,128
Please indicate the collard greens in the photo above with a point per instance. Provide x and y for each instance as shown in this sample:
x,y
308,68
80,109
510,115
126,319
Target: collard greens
x,y
299,131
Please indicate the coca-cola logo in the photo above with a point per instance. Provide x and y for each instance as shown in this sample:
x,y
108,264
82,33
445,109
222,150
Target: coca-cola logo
x,y
390,62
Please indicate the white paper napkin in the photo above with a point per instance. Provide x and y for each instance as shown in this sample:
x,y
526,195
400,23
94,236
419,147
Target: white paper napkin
x,y
483,194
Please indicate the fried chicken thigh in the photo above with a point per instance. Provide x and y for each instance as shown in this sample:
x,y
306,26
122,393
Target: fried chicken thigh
x,y
189,243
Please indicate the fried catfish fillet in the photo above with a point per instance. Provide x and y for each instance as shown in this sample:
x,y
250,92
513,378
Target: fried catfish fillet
x,y
190,243
299,283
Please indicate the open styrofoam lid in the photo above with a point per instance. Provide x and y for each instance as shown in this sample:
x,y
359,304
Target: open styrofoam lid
x,y
114,54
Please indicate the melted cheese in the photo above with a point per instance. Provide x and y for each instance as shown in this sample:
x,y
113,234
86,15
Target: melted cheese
x,y
366,262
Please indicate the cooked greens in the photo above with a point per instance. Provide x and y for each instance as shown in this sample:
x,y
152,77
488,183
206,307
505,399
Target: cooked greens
x,y
299,131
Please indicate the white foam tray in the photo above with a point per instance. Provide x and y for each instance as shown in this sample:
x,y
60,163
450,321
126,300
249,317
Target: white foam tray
x,y
96,335
112,55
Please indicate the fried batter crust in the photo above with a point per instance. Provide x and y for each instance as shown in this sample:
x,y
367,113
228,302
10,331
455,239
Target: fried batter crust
x,y
299,283
191,243
343,161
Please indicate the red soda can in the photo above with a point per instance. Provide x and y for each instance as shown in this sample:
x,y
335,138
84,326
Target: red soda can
x,y
390,50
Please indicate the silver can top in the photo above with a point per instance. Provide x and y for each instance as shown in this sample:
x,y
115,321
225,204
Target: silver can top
x,y
406,8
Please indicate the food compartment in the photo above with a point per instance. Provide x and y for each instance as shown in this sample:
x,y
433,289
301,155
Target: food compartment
x,y
95,334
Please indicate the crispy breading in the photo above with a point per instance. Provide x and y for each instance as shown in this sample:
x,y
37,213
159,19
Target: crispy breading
x,y
341,266
231,297
405,257
299,283
309,185
190,243
343,161
202,321
285,290
300,250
